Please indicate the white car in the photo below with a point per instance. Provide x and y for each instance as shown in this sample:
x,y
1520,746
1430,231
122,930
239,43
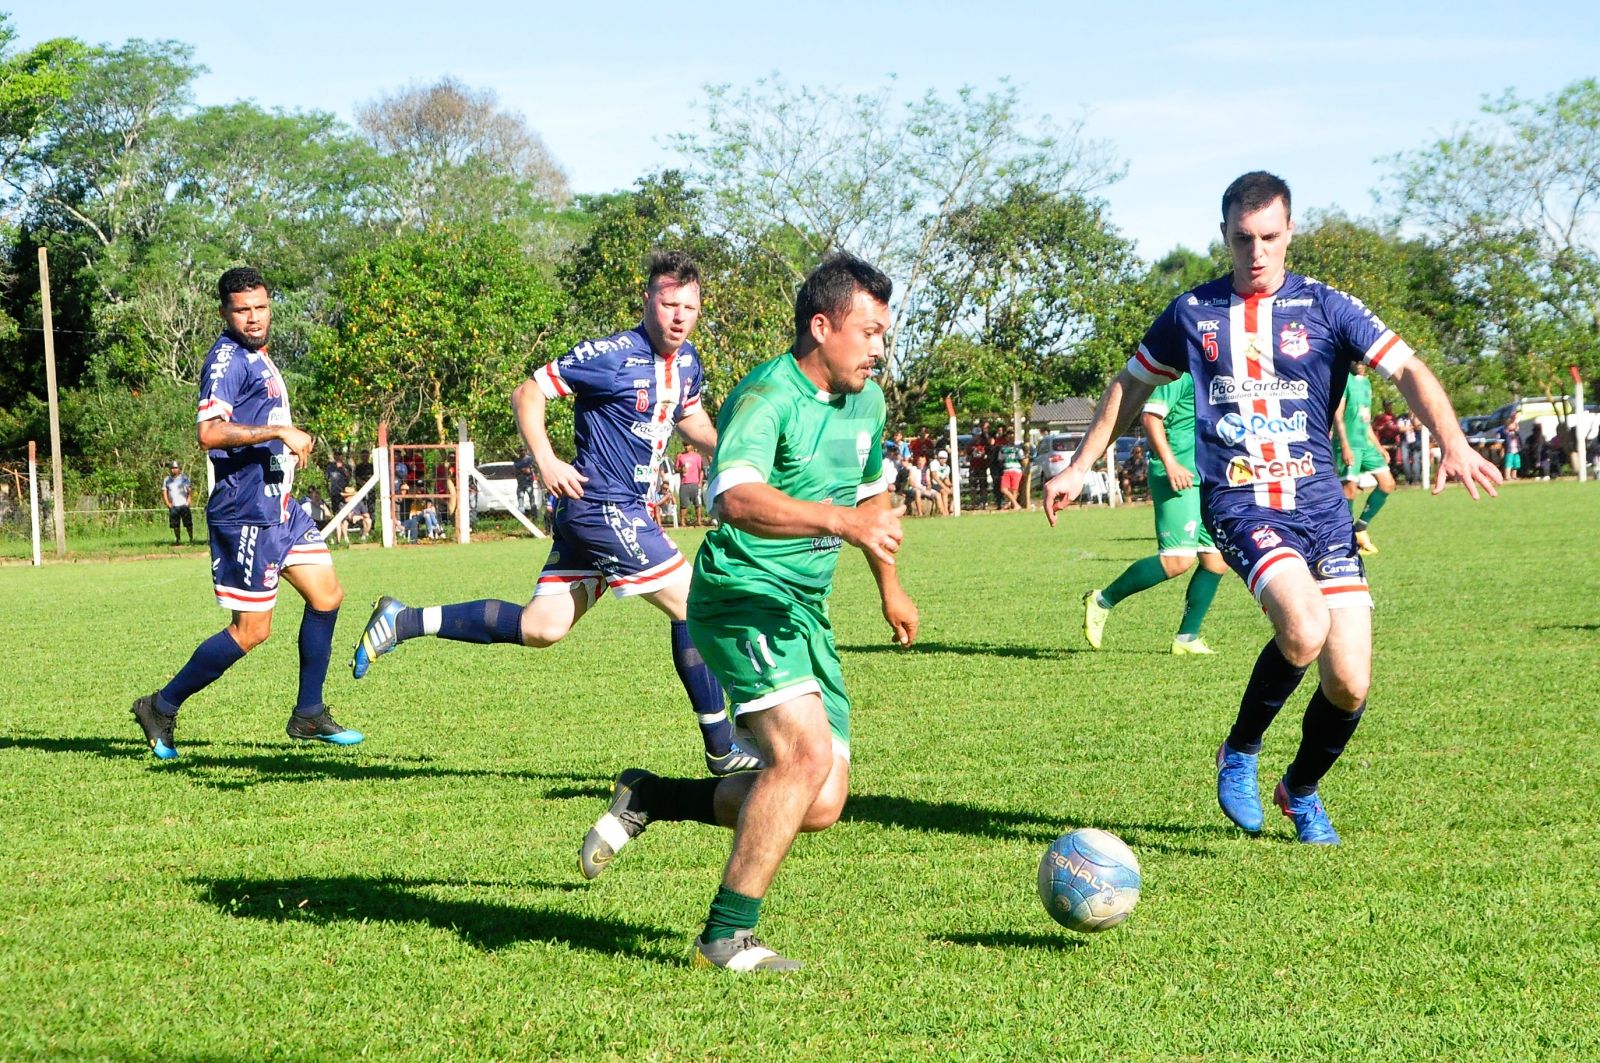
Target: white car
x,y
501,495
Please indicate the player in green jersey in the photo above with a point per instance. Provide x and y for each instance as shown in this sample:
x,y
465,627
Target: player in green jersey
x,y
798,472
1180,534
1361,453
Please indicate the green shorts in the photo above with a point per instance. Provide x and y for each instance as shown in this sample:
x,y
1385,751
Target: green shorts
x,y
768,650
1368,459
1179,530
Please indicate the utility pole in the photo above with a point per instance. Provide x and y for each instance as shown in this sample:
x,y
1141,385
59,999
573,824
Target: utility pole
x,y
57,503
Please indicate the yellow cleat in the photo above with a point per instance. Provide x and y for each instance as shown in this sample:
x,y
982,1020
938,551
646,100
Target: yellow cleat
x,y
1187,647
1094,618
1365,544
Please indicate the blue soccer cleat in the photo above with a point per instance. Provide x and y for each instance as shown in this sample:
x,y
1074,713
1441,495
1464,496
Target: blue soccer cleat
x,y
378,637
1311,822
735,760
1237,790
157,727
321,728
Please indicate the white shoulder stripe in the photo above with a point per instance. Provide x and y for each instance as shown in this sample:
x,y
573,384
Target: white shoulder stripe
x,y
739,474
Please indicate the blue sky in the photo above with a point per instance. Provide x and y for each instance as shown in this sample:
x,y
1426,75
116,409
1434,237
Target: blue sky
x,y
1187,95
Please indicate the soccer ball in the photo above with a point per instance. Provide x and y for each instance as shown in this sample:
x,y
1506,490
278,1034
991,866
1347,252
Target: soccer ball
x,y
1089,880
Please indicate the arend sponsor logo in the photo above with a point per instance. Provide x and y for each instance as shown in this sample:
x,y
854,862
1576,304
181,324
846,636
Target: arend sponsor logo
x,y
1247,470
1242,389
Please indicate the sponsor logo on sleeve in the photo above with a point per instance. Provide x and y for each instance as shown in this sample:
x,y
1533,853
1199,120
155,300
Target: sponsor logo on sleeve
x,y
634,363
1243,389
863,448
1245,469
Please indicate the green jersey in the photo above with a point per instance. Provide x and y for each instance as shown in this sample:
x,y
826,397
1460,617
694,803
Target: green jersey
x,y
778,428
1010,458
1357,411
1174,404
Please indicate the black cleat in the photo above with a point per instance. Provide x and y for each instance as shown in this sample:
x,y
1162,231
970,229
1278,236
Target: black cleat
x,y
157,727
321,728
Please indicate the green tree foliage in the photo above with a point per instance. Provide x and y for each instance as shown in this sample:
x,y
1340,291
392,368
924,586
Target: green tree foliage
x,y
747,289
1513,203
437,326
816,170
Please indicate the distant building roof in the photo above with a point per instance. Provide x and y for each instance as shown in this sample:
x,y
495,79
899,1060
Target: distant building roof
x,y
1073,413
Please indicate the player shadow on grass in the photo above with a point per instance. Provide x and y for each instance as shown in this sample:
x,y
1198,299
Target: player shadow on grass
x,y
241,771
971,649
485,925
950,817
1010,939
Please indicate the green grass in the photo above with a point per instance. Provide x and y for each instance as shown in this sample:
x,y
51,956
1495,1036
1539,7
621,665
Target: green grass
x,y
416,897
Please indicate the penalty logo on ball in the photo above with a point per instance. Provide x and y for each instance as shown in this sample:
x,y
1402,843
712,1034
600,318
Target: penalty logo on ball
x,y
1089,880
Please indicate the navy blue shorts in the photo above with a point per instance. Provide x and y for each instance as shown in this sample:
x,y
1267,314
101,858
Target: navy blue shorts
x,y
609,544
247,558
1260,543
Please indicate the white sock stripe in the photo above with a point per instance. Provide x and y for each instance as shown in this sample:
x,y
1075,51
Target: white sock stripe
x,y
432,617
749,958
708,718
612,832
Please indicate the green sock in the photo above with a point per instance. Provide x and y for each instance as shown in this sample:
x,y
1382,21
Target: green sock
x,y
1353,502
1197,600
1139,576
1375,502
730,913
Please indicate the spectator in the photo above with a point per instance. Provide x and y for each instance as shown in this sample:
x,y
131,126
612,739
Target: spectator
x,y
941,480
1410,448
902,448
176,491
1539,452
315,507
524,466
978,463
1010,462
1386,426
360,516
1134,474
920,495
996,441
691,484
924,445
338,475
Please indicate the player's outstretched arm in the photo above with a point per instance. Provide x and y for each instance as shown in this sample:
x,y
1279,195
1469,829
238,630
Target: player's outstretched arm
x,y
560,479
698,429
898,608
217,434
1427,399
1118,406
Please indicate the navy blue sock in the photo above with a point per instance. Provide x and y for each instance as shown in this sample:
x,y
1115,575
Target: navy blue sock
x,y
485,621
316,646
210,659
1272,681
1324,733
705,693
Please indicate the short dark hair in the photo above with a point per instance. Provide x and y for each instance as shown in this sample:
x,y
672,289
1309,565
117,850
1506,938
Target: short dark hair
x,y
831,288
239,279
675,264
1254,190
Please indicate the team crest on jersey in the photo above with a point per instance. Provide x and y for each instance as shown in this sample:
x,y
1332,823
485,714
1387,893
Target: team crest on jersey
x,y
863,448
1294,341
269,578
1252,350
1265,538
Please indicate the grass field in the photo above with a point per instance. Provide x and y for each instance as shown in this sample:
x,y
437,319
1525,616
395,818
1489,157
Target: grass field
x,y
416,897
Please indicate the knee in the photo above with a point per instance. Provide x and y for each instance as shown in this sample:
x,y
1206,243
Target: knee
x,y
334,599
1176,565
1302,638
542,633
807,764
1347,692
249,638
824,811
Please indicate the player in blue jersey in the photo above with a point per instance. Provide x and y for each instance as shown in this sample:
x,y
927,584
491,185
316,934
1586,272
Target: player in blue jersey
x,y
258,534
631,391
1269,352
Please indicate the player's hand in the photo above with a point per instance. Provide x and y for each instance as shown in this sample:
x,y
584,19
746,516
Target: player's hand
x,y
562,480
1347,454
875,530
1060,492
901,612
1471,468
1180,478
299,443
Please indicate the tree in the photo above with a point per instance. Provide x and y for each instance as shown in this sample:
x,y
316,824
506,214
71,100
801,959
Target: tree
x,y
816,171
1514,202
461,159
435,326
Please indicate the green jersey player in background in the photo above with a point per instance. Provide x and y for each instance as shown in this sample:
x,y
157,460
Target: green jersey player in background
x,y
1360,453
1180,536
797,473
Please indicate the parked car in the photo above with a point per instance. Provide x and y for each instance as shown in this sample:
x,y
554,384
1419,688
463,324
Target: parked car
x,y
501,494
1051,454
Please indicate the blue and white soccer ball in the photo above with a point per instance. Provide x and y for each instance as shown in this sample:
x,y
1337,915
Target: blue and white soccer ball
x,y
1089,880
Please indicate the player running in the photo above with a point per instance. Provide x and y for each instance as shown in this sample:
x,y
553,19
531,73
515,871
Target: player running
x,y
1361,453
798,472
1180,534
258,534
1268,352
631,390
